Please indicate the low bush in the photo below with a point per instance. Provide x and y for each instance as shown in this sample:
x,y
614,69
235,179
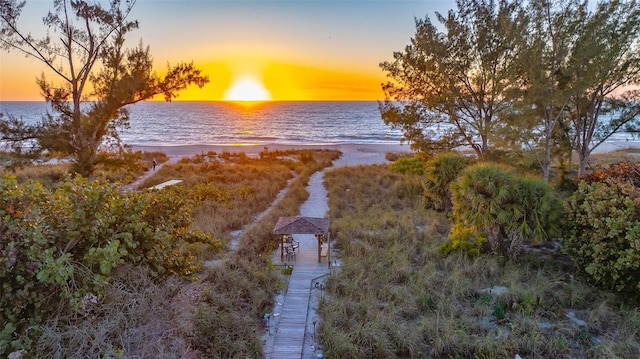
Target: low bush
x,y
441,171
413,165
602,234
490,202
61,246
621,172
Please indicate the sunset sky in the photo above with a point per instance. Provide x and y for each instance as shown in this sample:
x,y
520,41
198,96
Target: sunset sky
x,y
293,49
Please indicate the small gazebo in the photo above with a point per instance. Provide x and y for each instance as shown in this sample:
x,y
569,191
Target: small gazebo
x,y
319,227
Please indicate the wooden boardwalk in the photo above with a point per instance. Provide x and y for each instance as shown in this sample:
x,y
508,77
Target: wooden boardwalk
x,y
290,335
289,339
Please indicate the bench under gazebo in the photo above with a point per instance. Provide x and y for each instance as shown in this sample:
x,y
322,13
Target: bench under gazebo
x,y
287,226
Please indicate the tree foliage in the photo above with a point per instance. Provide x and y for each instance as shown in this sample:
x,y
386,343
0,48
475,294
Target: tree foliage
x,y
542,105
441,171
97,77
548,78
605,59
447,89
58,248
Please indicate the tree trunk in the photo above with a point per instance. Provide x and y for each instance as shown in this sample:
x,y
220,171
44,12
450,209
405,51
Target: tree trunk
x,y
584,160
85,162
546,162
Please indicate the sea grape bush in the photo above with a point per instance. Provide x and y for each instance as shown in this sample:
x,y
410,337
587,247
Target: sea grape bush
x,y
498,211
602,235
58,248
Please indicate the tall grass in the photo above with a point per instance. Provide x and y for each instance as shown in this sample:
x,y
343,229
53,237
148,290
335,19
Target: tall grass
x,y
397,296
216,313
114,167
239,290
136,318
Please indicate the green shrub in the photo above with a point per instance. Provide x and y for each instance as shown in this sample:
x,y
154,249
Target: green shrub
x,y
397,296
603,234
490,202
57,248
463,239
441,171
414,165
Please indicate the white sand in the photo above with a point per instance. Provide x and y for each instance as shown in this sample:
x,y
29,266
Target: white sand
x,y
353,154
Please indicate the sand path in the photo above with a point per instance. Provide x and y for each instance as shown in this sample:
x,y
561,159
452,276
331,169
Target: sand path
x,y
292,326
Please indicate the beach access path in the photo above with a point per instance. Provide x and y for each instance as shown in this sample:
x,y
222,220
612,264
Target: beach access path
x,y
292,328
143,177
295,333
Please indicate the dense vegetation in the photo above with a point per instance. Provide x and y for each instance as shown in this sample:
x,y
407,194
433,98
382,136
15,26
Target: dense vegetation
x,y
87,265
533,81
399,296
92,272
59,248
602,233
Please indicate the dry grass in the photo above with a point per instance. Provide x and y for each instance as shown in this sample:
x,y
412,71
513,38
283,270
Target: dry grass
x,y
623,155
136,318
113,168
398,297
251,186
48,175
216,316
241,288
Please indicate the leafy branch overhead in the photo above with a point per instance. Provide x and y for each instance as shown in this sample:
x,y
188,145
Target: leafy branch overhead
x,y
96,77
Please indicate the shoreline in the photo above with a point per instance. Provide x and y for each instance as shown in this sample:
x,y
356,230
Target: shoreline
x,y
346,148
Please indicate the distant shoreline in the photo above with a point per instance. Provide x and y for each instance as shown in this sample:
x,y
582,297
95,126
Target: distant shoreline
x,y
190,150
352,154
378,148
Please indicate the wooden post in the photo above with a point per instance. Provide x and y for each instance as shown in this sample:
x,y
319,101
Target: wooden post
x,y
328,252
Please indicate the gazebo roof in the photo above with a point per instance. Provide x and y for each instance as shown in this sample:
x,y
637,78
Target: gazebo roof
x,y
301,225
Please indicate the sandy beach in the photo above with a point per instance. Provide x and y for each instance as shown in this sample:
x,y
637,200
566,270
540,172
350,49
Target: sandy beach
x,y
187,150
363,152
353,154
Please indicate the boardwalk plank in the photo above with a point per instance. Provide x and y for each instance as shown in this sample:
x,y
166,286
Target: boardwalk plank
x,y
289,339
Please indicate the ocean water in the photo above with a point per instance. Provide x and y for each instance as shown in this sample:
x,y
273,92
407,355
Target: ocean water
x,y
290,122
223,123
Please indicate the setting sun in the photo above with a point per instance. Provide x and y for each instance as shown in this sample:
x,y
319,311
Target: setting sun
x,y
247,89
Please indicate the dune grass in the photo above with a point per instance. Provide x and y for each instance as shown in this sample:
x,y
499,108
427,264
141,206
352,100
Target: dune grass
x,y
397,296
115,168
240,289
216,313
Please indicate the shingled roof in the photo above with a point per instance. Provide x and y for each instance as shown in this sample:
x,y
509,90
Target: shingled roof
x,y
301,225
